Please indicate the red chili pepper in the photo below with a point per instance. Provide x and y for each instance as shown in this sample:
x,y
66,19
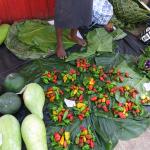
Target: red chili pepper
x,y
81,98
121,79
107,102
99,106
81,88
57,136
81,117
92,144
127,75
93,99
121,115
101,79
105,108
59,118
65,144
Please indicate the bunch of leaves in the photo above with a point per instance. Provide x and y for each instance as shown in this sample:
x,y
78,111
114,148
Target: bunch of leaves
x,y
54,93
60,140
129,11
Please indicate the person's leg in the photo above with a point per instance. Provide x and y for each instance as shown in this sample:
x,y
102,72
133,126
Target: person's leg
x,y
73,36
60,51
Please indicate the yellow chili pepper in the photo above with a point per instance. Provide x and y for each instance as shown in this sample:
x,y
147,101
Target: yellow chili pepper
x,y
103,100
80,105
84,138
75,90
65,78
92,81
67,136
84,132
61,142
54,112
127,87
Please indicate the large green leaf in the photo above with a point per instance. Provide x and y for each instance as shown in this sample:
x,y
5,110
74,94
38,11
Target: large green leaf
x,y
33,39
100,40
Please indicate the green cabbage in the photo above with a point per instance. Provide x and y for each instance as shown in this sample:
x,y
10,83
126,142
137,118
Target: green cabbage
x,y
34,133
10,133
34,99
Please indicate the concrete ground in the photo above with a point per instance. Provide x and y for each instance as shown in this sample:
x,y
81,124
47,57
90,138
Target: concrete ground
x,y
140,143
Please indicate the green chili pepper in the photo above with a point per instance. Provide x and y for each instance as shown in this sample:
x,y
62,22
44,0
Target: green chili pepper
x,y
65,114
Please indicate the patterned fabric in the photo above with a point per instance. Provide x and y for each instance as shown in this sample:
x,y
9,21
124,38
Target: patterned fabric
x,y
102,12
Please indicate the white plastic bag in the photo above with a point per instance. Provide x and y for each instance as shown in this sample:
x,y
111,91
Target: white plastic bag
x,y
102,12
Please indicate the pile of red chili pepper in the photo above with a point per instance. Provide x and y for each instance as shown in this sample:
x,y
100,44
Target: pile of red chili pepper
x,y
61,115
102,101
48,77
54,93
70,76
82,110
85,139
75,92
82,65
60,140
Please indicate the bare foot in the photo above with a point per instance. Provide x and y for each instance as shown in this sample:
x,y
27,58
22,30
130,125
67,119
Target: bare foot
x,y
77,40
60,52
109,27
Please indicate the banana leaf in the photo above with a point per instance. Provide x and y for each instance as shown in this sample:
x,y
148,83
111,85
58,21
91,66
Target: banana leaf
x,y
33,39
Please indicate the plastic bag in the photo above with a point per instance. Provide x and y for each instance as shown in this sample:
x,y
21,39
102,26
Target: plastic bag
x,y
102,12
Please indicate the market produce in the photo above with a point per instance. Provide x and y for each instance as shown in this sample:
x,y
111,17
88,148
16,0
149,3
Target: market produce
x,y
85,139
75,92
10,132
14,82
61,116
34,133
81,110
3,32
48,77
129,11
10,103
54,93
60,140
69,76
34,99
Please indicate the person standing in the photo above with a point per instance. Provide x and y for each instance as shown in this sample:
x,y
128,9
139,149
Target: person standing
x,y
71,14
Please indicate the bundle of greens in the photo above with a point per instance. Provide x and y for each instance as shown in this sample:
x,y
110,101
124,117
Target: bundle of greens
x,y
129,11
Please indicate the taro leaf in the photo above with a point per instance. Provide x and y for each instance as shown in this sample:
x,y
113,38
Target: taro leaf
x,y
76,55
40,36
33,39
106,131
130,128
135,79
99,40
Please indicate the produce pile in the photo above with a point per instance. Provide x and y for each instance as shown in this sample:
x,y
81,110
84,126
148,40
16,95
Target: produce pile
x,y
91,97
